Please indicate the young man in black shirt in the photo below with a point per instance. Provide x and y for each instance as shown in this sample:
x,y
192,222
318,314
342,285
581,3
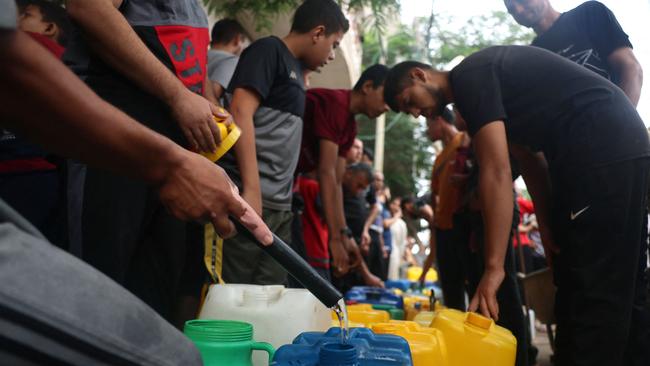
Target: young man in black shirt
x,y
576,132
588,35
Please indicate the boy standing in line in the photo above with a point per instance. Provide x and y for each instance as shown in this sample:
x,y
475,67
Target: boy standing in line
x,y
329,133
267,96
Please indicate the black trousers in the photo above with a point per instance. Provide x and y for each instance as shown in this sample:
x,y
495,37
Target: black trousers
x,y
375,257
126,231
39,197
599,223
452,263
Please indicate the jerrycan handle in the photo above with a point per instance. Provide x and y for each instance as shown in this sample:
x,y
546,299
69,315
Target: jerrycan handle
x,y
479,321
263,346
229,135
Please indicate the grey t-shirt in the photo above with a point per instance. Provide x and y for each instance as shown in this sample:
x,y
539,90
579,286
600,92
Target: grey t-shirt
x,y
221,67
268,68
8,14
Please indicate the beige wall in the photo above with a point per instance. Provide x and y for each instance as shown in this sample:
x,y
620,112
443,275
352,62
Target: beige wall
x,y
342,73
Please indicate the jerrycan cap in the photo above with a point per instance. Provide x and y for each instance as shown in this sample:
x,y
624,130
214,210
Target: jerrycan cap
x,y
479,321
229,135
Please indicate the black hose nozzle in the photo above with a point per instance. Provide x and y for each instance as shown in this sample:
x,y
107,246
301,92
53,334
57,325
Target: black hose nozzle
x,y
296,266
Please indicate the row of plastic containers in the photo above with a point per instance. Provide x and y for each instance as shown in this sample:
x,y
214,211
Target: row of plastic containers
x,y
295,324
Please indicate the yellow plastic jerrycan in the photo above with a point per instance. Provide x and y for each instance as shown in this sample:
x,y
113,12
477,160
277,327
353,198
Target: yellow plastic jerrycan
x,y
427,344
364,315
423,317
473,339
414,273
414,304
229,135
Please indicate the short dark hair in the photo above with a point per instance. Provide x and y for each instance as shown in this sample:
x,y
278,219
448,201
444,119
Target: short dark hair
x,y
406,200
362,168
225,30
376,73
312,13
51,12
368,152
397,80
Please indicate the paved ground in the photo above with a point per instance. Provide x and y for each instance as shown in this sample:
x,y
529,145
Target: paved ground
x,y
541,341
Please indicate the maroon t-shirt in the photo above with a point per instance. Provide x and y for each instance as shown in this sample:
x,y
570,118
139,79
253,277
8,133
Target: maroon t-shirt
x,y
327,116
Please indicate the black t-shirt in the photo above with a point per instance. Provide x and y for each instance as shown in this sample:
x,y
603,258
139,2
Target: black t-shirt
x,y
268,67
550,104
586,35
356,213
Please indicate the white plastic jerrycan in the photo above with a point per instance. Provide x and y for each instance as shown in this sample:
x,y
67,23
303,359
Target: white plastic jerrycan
x,y
278,314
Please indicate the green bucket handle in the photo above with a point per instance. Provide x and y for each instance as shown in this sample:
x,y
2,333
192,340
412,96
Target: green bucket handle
x,y
263,346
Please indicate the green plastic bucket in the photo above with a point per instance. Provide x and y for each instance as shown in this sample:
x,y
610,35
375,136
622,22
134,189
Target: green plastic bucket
x,y
225,342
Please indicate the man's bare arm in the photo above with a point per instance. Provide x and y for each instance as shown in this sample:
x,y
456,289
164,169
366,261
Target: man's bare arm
x,y
116,42
244,104
630,73
48,104
327,179
495,194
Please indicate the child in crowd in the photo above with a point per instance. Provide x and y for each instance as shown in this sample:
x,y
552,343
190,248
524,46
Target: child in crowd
x,y
29,177
267,99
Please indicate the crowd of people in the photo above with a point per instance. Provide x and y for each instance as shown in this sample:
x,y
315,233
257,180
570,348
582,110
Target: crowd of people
x,y
110,209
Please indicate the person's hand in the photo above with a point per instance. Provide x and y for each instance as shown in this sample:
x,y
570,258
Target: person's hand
x,y
353,252
485,298
384,252
340,257
365,242
373,281
194,116
223,116
197,189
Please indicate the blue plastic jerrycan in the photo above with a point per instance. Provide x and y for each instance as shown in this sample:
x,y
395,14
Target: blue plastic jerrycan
x,y
374,296
364,348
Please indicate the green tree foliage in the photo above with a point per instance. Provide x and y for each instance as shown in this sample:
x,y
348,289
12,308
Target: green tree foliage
x,y
407,153
264,10
448,40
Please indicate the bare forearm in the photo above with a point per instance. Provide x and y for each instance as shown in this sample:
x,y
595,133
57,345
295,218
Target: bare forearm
x,y
115,41
496,202
374,211
327,181
246,152
432,253
389,222
631,83
54,108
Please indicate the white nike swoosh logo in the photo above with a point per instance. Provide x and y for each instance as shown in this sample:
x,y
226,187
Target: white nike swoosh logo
x,y
574,215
